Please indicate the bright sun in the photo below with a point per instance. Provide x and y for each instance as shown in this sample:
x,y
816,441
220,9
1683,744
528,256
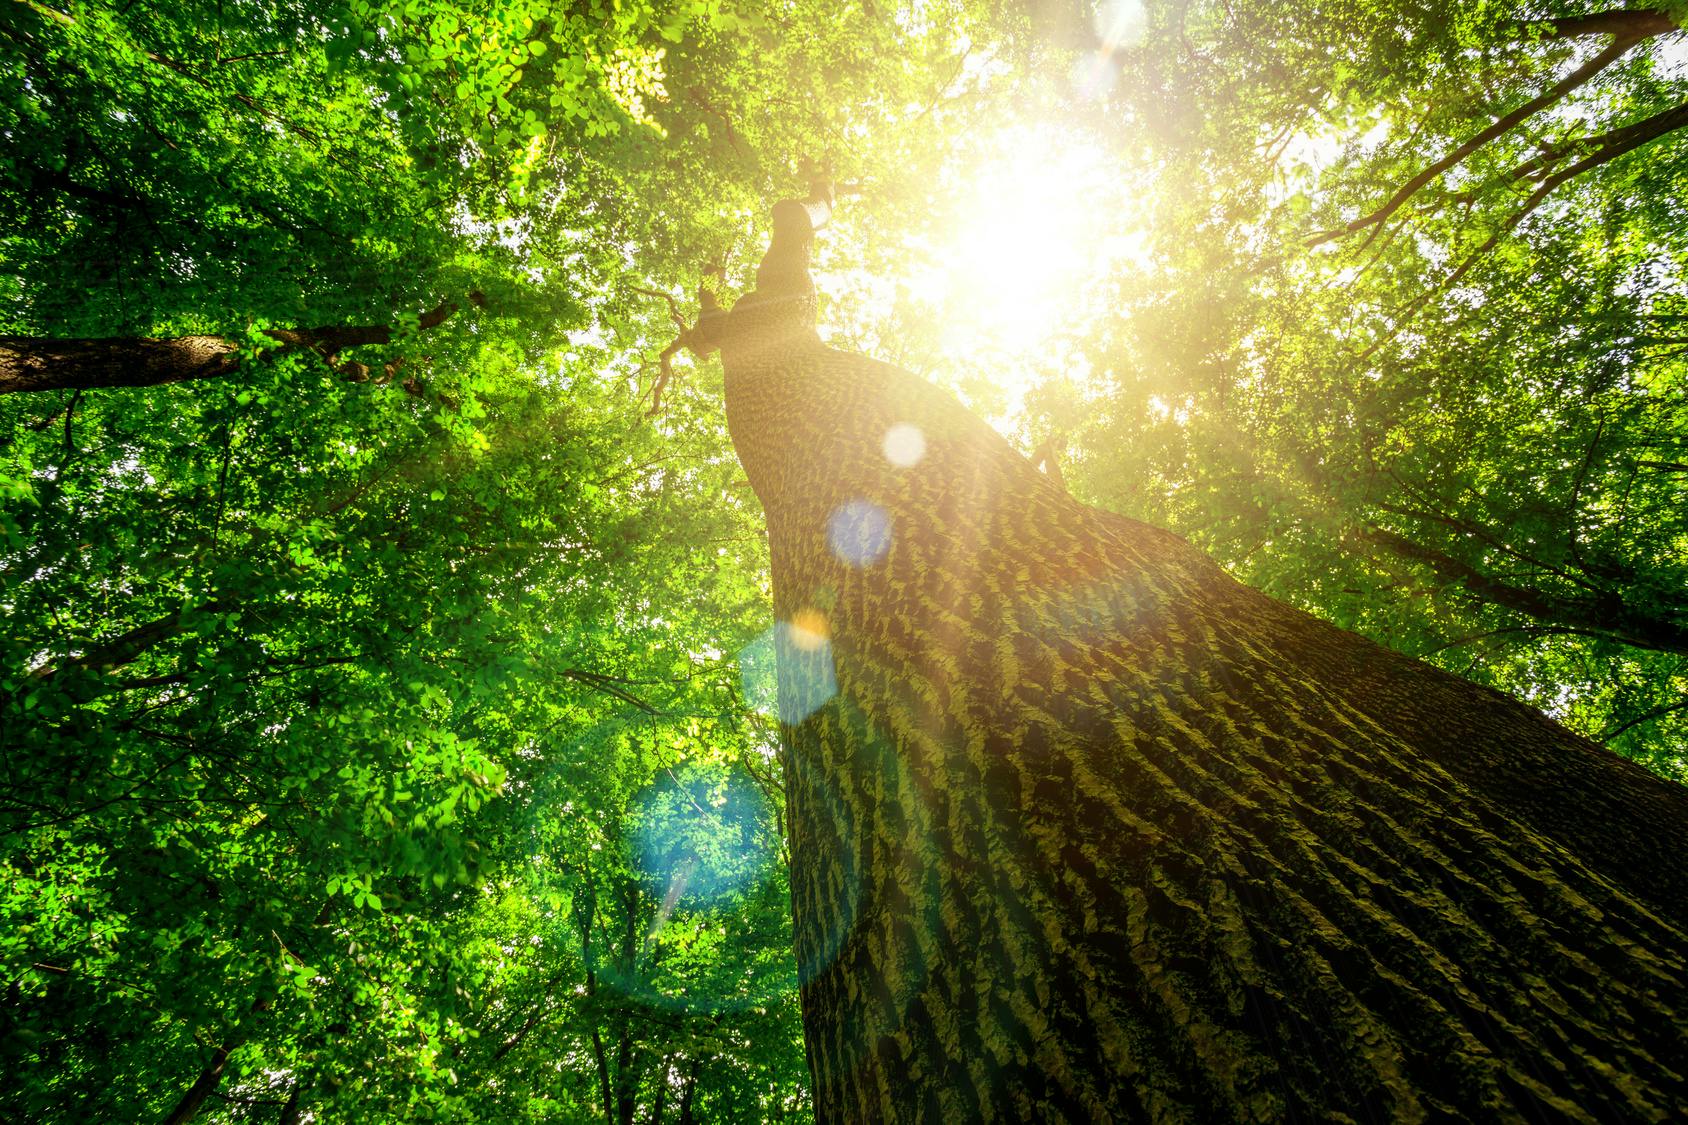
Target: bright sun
x,y
1031,238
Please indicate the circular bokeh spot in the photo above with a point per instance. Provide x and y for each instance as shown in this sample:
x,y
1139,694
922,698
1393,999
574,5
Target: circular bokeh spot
x,y
704,840
1095,75
704,834
859,532
904,445
757,675
1121,23
809,629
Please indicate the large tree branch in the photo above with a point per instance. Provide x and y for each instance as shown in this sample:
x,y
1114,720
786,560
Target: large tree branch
x,y
1519,598
1601,149
1647,716
1634,24
1430,513
33,363
41,363
331,340
126,647
1604,620
610,685
1625,27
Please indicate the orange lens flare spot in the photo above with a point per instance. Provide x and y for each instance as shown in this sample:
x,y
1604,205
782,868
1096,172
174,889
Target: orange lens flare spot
x,y
809,629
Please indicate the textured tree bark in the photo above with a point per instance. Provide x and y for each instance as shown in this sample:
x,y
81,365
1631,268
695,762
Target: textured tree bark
x,y
1084,830
29,363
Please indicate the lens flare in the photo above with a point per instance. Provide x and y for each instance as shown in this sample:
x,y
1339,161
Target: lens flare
x,y
1035,234
904,445
787,672
859,532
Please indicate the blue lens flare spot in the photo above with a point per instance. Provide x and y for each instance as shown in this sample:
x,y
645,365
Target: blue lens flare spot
x,y
704,834
859,532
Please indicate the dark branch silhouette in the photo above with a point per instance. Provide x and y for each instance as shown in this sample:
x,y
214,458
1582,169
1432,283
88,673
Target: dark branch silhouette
x,y
44,363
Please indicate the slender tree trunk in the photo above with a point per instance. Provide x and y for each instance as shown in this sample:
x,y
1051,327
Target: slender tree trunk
x,y
212,1076
586,919
626,1068
626,1088
208,1080
290,1111
660,1101
1083,830
602,1061
688,1091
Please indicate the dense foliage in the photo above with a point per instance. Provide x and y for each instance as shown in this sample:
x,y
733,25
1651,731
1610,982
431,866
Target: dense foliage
x,y
372,712
377,742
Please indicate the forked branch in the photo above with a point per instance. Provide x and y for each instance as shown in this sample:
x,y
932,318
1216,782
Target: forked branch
x,y
784,271
698,337
1600,150
1571,82
1626,27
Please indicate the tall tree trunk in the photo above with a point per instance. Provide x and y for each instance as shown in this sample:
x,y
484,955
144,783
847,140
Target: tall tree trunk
x,y
1082,829
626,1075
